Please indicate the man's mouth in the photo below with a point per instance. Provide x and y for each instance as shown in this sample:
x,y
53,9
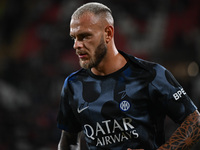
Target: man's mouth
x,y
82,55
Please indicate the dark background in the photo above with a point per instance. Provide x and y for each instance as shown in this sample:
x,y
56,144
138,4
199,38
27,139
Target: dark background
x,y
36,56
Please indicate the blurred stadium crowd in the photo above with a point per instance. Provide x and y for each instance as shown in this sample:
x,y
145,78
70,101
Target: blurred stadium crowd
x,y
36,55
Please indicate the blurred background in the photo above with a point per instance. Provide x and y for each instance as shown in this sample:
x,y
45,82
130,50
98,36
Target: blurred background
x,y
36,55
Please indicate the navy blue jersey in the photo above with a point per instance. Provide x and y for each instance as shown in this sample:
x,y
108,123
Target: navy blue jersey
x,y
125,109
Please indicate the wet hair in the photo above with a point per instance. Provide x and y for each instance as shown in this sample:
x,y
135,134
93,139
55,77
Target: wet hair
x,y
95,8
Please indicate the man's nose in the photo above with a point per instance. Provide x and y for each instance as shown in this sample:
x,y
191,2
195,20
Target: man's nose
x,y
78,44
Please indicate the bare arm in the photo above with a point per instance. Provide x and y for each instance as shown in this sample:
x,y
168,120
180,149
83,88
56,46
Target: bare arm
x,y
186,135
66,140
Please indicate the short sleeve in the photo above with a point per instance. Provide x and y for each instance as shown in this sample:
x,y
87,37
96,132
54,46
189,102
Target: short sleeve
x,y
66,120
170,96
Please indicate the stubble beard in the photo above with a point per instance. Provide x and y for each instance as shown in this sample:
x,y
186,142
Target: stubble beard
x,y
99,54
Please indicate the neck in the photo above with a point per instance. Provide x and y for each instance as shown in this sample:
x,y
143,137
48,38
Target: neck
x,y
112,62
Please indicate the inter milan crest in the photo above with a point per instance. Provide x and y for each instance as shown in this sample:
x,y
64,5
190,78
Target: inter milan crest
x,y
124,105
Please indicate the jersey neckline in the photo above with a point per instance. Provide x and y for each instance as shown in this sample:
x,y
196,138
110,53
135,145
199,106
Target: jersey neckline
x,y
111,74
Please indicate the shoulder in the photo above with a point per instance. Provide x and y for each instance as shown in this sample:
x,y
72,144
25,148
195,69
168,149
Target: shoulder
x,y
75,76
155,72
150,67
161,75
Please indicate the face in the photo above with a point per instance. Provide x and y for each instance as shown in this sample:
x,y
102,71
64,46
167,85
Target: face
x,y
88,35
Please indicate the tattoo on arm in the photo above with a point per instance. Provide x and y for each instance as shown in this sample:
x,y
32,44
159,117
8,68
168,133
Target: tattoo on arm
x,y
186,135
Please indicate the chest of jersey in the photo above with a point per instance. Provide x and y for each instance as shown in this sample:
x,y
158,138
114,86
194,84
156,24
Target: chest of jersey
x,y
110,97
112,109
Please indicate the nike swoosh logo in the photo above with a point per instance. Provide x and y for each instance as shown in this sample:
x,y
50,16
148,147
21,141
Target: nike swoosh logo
x,y
80,110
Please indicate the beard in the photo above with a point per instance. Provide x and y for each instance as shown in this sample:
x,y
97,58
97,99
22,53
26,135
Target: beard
x,y
99,54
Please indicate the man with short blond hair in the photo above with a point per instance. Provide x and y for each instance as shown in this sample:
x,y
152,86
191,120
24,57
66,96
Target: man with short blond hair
x,y
117,100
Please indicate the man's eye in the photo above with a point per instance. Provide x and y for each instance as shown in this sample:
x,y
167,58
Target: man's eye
x,y
73,38
82,37
85,36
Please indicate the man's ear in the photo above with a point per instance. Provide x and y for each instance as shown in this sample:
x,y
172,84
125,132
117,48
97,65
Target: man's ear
x,y
109,33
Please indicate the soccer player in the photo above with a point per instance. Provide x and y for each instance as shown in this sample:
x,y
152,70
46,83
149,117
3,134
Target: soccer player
x,y
119,101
